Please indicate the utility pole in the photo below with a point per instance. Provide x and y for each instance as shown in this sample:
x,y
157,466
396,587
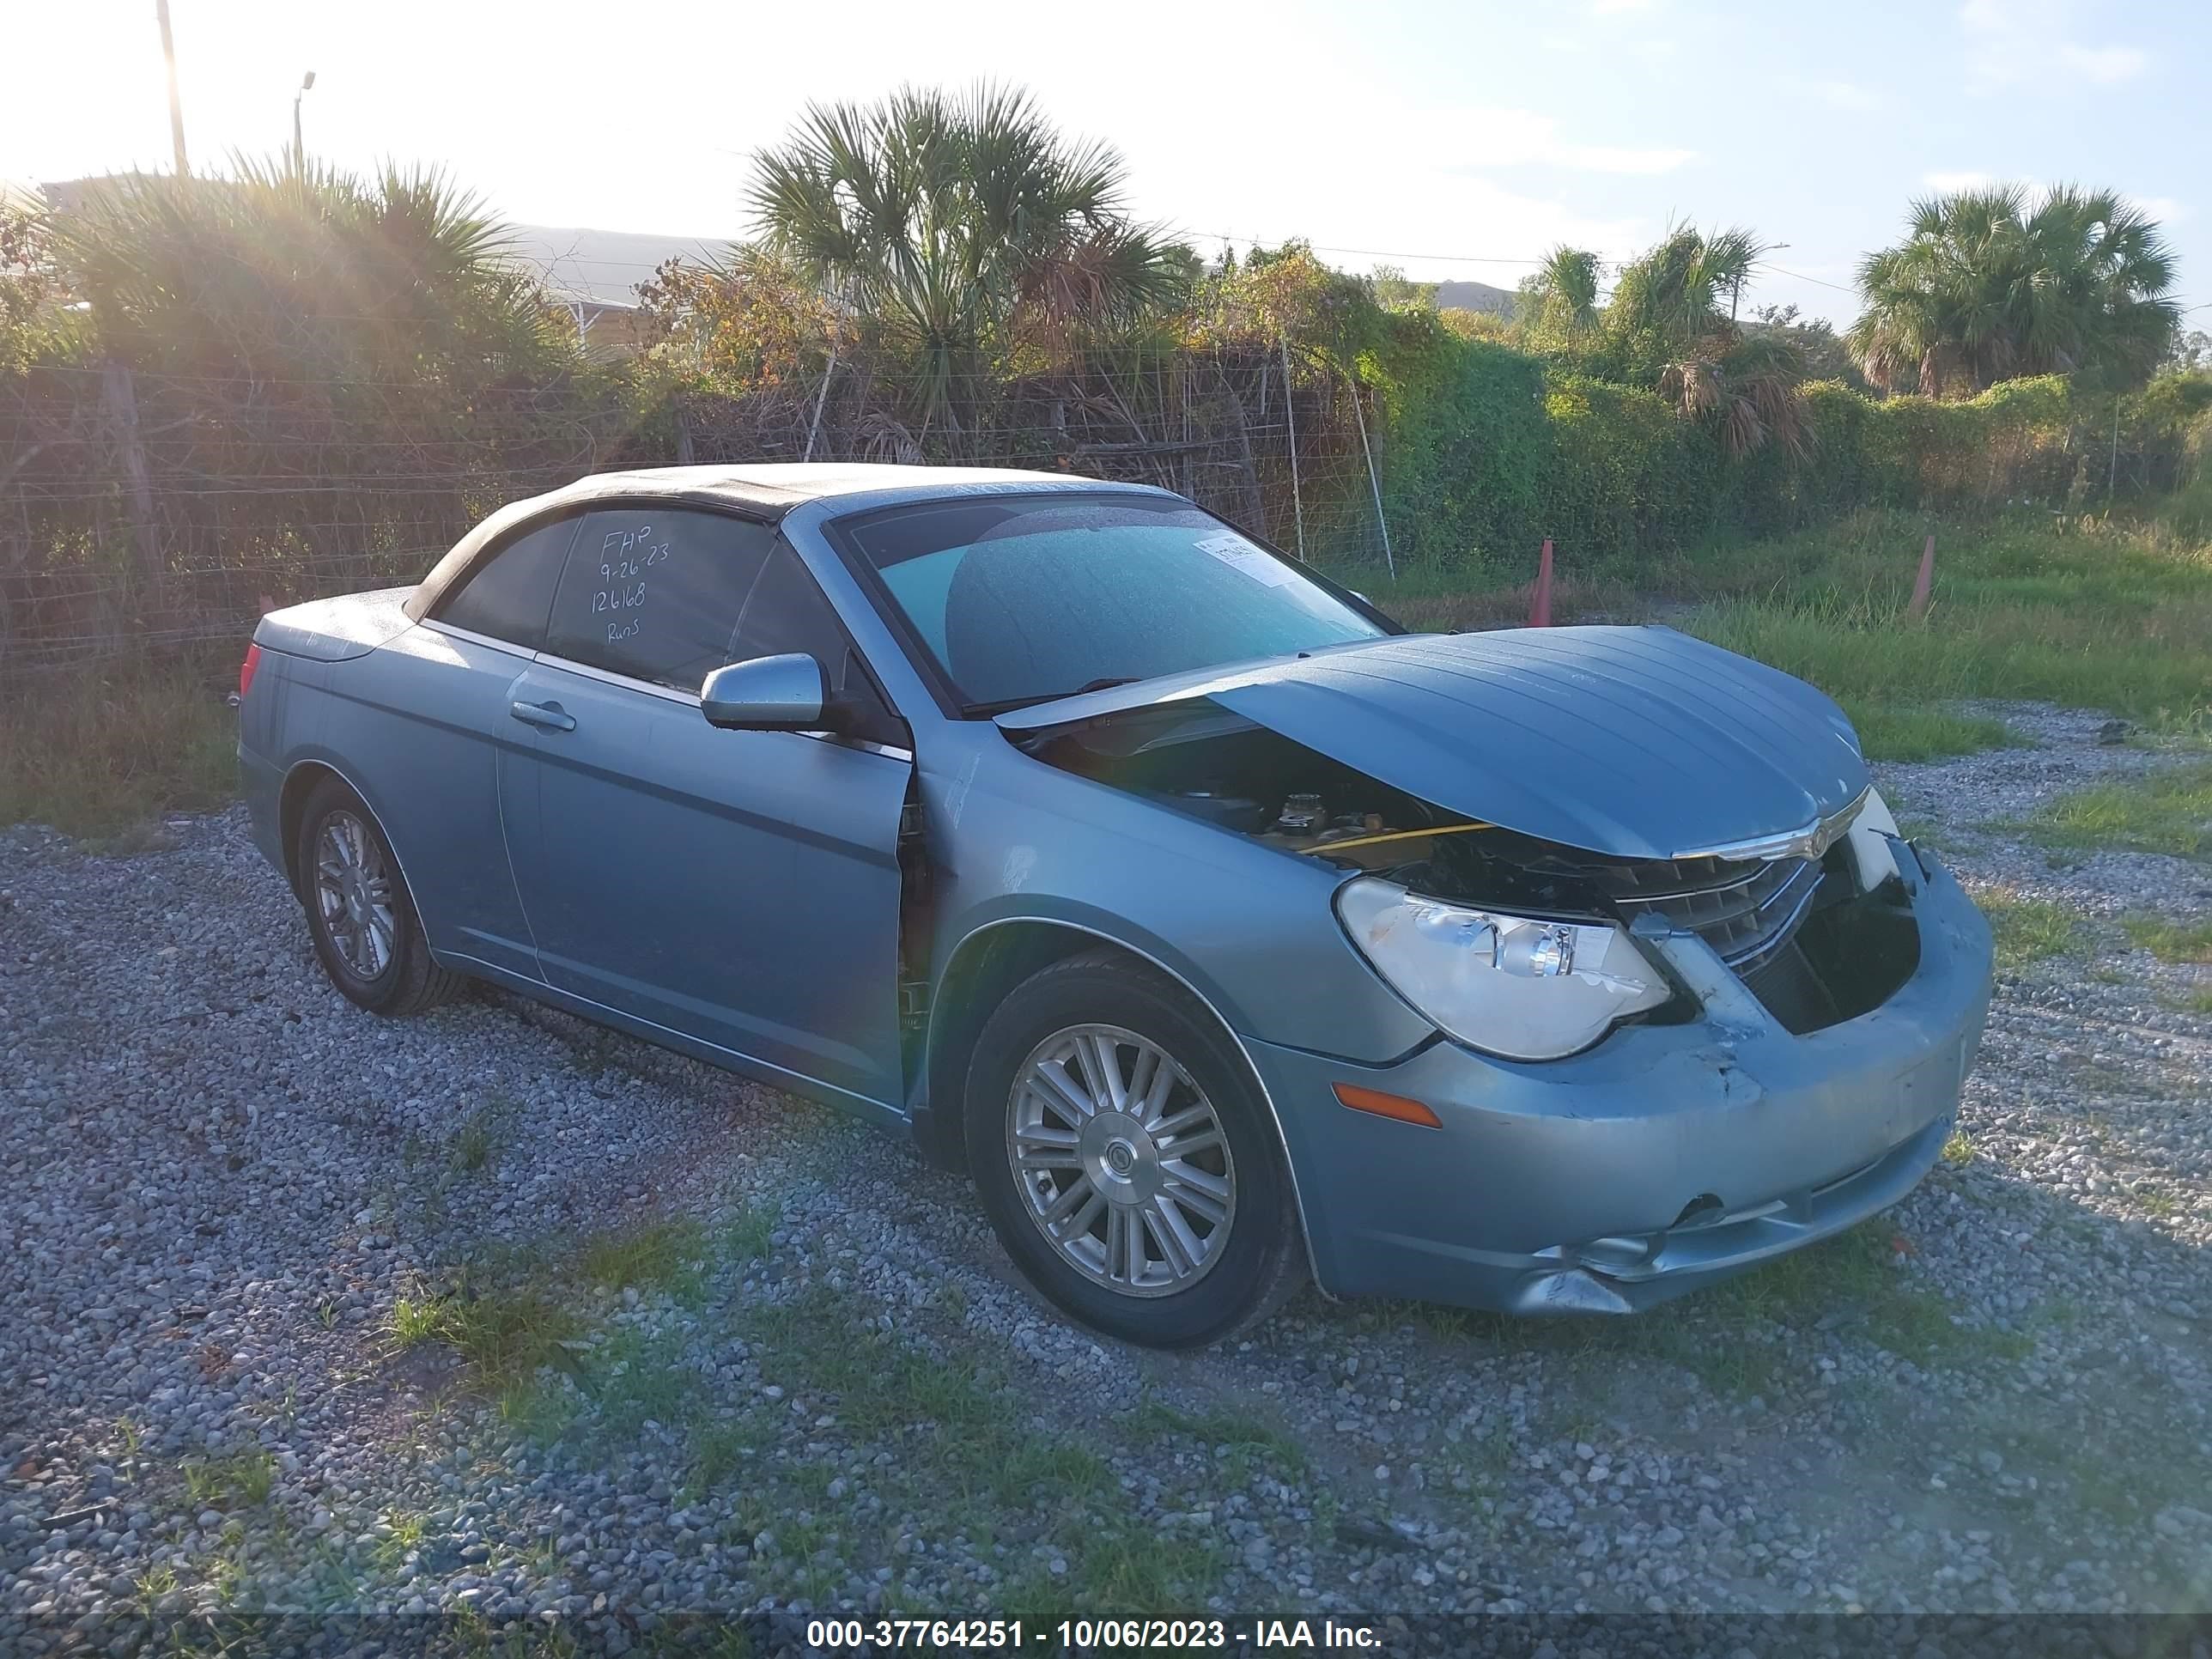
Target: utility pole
x,y
299,144
176,105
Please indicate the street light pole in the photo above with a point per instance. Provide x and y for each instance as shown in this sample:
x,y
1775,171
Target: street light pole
x,y
176,105
298,145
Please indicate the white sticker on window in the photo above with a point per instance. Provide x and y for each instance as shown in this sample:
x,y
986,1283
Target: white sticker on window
x,y
1240,555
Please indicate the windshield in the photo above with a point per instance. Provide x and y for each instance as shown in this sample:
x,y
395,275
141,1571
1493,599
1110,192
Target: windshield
x,y
1019,600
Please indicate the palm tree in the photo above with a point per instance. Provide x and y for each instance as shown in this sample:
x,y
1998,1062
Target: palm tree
x,y
1563,294
310,273
961,228
1670,325
1983,289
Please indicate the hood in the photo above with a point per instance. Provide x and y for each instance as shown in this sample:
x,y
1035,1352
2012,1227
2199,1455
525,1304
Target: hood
x,y
1636,742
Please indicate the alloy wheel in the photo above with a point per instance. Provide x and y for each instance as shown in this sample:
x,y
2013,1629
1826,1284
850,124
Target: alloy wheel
x,y
1120,1160
353,895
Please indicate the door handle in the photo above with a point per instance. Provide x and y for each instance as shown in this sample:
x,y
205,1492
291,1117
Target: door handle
x,y
550,715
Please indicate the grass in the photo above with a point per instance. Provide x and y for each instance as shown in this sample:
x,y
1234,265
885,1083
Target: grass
x,y
962,1449
1235,1437
407,1533
748,1232
102,758
476,1146
2112,614
1855,1276
243,1479
512,1316
658,1255
1915,732
505,1332
2171,941
2167,811
1729,1335
2028,930
2115,616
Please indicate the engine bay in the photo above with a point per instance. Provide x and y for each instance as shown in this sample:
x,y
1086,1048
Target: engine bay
x,y
1801,933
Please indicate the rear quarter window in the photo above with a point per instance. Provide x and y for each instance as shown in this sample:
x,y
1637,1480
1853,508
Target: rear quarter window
x,y
508,596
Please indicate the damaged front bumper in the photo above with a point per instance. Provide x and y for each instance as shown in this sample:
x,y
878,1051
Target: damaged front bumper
x,y
1665,1157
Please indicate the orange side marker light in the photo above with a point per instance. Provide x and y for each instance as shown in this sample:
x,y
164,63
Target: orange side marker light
x,y
1383,1105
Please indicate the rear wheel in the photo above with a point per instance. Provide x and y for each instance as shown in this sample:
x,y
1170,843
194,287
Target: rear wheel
x,y
1127,1158
360,914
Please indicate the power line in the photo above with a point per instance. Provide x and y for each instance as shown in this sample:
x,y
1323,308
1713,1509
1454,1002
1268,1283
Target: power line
x,y
1799,276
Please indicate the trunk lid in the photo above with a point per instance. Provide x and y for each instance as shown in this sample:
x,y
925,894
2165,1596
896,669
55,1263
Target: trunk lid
x,y
1637,743
333,629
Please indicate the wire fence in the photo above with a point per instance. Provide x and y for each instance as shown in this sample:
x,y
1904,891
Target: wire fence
x,y
144,513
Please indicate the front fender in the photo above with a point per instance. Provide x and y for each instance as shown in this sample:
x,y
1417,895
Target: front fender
x,y
1250,929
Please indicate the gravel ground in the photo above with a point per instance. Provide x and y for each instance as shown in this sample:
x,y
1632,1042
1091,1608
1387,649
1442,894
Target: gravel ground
x,y
790,1372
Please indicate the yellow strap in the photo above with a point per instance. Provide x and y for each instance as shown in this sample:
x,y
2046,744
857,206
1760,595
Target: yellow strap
x,y
1395,835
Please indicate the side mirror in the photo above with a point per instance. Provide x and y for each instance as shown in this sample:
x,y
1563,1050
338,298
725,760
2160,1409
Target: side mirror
x,y
788,693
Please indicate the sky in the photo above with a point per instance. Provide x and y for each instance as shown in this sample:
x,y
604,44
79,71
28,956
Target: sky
x,y
1450,140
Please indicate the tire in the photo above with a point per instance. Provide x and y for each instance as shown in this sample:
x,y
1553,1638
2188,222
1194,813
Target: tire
x,y
360,914
1208,1202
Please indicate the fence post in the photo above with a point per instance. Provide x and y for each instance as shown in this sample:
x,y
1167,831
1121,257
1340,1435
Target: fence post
x,y
1923,583
120,398
1540,603
2112,473
1291,418
820,398
1373,482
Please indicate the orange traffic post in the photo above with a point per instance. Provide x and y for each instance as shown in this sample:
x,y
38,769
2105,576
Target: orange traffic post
x,y
1924,580
1539,612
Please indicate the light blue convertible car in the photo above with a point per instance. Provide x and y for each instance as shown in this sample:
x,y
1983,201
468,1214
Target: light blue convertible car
x,y
1218,927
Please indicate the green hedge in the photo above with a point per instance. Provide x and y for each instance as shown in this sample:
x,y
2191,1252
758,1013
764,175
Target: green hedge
x,y
1488,450
1469,450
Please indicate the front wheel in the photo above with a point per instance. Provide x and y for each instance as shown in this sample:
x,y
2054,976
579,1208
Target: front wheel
x,y
359,913
1127,1158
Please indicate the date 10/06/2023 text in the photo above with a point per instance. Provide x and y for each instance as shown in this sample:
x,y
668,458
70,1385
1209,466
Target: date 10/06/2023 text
x,y
1087,1635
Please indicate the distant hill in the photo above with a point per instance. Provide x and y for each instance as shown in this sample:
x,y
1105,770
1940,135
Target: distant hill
x,y
603,267
1474,296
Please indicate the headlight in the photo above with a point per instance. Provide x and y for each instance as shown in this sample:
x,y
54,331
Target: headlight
x,y
1510,986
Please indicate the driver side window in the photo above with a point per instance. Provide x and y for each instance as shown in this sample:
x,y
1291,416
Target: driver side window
x,y
668,595
654,593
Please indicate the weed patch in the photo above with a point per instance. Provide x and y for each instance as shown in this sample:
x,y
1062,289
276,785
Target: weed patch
x,y
2167,811
504,1331
1911,731
2026,930
2170,941
243,1479
964,1448
1731,1336
105,757
659,1255
1235,1435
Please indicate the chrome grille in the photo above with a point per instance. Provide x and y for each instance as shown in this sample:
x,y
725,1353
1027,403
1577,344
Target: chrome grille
x,y
1745,911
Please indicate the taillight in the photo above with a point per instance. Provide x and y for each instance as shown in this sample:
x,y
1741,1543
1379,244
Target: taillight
x,y
245,670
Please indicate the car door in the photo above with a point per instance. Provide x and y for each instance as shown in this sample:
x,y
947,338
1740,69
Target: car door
x,y
437,787
741,888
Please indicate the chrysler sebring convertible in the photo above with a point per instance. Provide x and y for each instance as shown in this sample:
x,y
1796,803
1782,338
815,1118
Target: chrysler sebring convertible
x,y
1223,930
